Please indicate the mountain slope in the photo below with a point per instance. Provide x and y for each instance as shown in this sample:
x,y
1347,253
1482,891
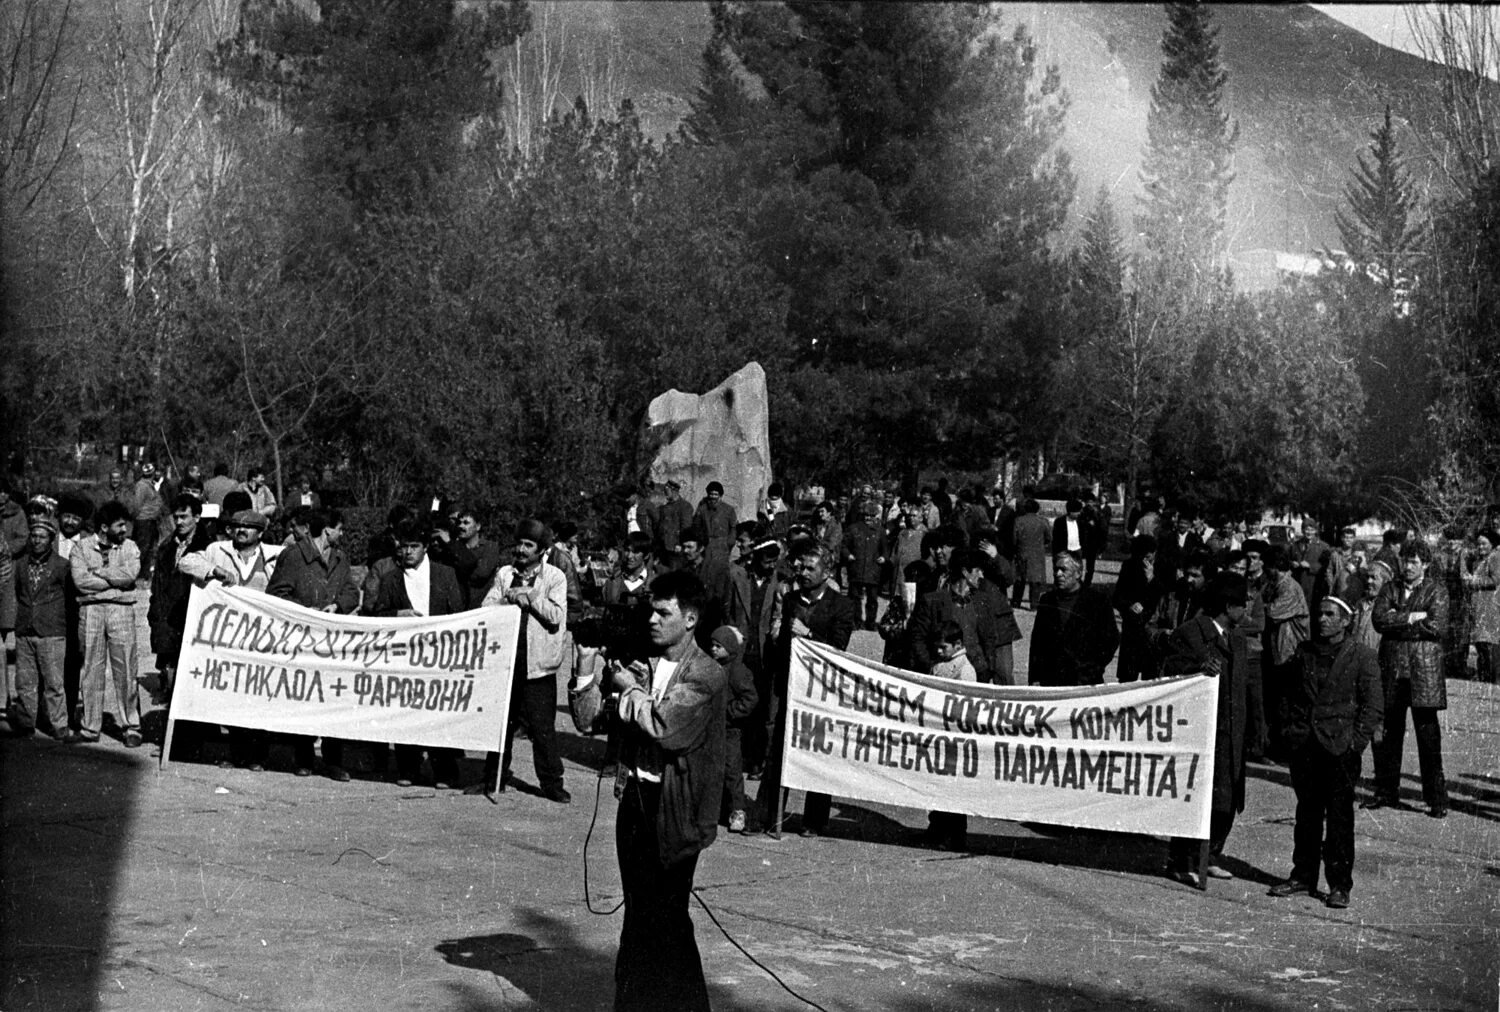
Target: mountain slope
x,y
1305,89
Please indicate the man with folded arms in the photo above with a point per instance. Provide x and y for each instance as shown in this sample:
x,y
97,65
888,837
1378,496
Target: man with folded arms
x,y
104,569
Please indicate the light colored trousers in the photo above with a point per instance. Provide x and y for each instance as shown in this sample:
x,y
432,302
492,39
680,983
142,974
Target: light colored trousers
x,y
109,649
39,661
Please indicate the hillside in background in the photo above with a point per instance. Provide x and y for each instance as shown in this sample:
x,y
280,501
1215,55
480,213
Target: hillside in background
x,y
1305,89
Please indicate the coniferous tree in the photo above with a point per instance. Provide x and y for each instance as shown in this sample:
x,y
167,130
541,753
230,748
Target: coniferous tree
x,y
1099,264
1381,226
1190,144
721,109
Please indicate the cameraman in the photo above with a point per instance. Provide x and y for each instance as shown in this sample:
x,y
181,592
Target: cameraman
x,y
667,725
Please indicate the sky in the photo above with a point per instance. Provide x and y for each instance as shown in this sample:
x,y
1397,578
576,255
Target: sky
x,y
1385,23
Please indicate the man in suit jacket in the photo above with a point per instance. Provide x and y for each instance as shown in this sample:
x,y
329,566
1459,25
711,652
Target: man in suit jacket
x,y
666,720
1332,710
418,586
1075,633
811,609
1071,532
1210,644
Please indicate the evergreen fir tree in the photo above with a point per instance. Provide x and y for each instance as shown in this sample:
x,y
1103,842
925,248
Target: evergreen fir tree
x,y
1190,144
1099,263
1381,226
721,108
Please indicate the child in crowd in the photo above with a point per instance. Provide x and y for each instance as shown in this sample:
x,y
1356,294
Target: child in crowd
x,y
953,660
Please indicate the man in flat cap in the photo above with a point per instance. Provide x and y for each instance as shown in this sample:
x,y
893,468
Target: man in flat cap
x,y
541,592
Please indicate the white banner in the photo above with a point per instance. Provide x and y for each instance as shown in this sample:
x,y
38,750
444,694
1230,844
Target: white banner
x,y
1135,758
252,660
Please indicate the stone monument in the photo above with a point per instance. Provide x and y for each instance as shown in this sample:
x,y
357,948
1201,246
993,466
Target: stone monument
x,y
723,435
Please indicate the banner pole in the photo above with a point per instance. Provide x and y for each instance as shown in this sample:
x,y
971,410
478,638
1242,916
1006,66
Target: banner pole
x,y
1203,866
166,743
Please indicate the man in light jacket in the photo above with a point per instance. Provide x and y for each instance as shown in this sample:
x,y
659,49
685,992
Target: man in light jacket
x,y
104,568
541,592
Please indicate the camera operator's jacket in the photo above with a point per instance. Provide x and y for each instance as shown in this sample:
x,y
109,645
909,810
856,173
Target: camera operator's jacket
x,y
682,734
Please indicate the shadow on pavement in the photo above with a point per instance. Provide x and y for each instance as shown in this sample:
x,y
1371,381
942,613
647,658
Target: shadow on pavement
x,y
549,964
66,819
1029,996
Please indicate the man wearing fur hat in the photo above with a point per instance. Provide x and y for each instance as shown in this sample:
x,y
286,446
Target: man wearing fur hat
x,y
541,592
41,589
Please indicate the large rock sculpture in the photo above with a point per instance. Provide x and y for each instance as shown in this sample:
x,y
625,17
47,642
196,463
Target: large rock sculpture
x,y
723,435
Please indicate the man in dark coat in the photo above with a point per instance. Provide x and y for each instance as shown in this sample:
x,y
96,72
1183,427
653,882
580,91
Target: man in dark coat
x,y
666,724
1032,535
1412,615
814,611
980,610
717,519
1333,709
39,590
864,553
444,597
726,586
314,572
1209,644
167,614
674,517
1075,633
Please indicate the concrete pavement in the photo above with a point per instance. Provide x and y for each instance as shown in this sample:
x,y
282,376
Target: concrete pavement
x,y
200,888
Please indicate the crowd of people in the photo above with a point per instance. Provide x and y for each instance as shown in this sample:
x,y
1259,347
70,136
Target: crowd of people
x,y
1322,648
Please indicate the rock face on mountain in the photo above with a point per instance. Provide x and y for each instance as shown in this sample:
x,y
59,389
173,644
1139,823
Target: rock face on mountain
x,y
1305,89
723,435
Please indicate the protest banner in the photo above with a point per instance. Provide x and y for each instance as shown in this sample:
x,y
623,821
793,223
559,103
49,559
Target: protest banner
x,y
252,660
1135,758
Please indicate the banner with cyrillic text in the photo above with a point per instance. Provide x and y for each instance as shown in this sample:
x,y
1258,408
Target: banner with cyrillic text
x,y
1135,758
252,660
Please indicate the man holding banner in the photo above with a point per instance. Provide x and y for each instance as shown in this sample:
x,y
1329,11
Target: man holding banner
x,y
814,612
314,572
1209,643
667,723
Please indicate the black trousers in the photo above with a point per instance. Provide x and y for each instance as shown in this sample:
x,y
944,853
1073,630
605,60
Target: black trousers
x,y
302,751
1325,803
1182,852
816,807
734,770
1424,720
658,968
1255,708
533,705
409,763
